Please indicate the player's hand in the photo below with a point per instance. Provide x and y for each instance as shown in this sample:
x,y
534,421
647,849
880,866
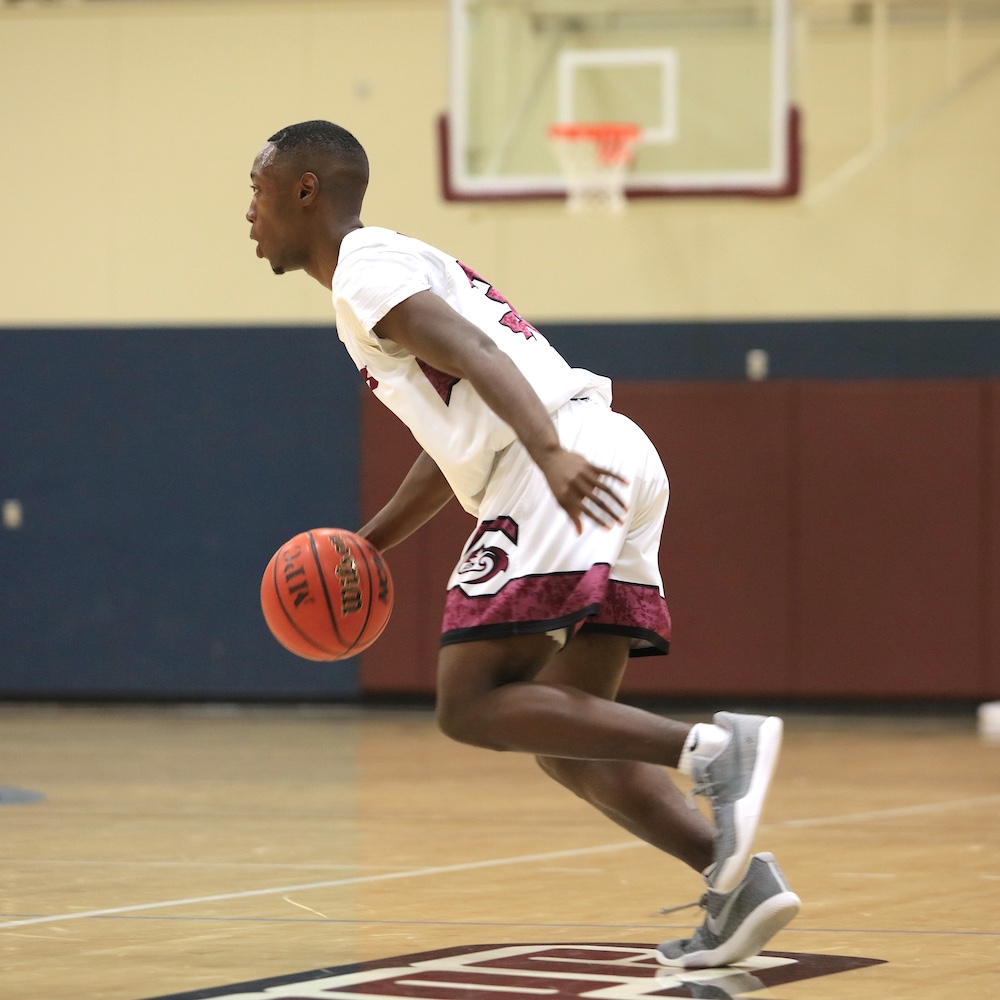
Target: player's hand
x,y
583,489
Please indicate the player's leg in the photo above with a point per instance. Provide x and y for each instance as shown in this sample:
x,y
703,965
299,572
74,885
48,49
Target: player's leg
x,y
486,697
642,799
523,572
639,797
493,693
489,695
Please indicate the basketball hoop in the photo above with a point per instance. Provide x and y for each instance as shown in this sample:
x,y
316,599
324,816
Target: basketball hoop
x,y
595,158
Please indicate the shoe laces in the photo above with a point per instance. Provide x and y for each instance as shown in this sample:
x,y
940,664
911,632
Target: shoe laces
x,y
703,903
703,786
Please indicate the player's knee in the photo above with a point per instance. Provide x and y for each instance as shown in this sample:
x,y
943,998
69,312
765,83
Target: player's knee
x,y
462,722
452,722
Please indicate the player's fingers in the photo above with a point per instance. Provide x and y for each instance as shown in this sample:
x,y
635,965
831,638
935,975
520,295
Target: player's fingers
x,y
606,506
605,494
618,502
594,478
600,512
604,513
611,475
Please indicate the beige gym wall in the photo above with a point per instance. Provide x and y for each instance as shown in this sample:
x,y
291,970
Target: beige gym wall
x,y
129,129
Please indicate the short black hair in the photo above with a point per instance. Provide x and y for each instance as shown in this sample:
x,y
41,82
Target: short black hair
x,y
323,137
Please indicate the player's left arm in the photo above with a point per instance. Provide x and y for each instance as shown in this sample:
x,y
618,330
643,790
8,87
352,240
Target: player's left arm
x,y
431,330
421,495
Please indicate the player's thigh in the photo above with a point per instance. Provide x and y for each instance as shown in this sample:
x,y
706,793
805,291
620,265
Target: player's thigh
x,y
474,678
469,670
594,662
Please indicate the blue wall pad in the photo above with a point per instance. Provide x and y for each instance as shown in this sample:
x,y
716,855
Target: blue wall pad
x,y
157,471
800,349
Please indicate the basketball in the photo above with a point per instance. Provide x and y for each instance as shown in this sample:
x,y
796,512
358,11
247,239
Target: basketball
x,y
326,594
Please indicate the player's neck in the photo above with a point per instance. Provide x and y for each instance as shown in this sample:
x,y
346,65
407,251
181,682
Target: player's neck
x,y
323,267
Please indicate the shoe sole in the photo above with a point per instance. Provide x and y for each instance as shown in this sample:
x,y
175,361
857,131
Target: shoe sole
x,y
748,809
748,940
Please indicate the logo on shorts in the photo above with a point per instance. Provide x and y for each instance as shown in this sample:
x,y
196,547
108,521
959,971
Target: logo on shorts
x,y
486,561
483,562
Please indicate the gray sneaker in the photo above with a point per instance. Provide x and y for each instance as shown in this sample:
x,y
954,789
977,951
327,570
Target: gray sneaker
x,y
736,782
737,924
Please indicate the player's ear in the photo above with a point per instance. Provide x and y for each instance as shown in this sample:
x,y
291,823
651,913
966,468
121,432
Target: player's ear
x,y
308,187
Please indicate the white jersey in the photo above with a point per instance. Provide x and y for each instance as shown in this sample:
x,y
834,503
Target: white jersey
x,y
377,270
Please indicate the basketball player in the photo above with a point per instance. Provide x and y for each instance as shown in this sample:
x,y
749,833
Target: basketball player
x,y
559,583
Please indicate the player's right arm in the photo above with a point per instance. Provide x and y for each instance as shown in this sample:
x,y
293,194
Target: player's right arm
x,y
430,329
420,496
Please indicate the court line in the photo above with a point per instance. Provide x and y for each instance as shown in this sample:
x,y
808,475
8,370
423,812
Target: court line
x,y
564,925
357,880
113,862
860,817
865,817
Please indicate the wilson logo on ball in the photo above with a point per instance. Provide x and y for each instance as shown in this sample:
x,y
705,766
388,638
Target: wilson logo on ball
x,y
326,594
347,574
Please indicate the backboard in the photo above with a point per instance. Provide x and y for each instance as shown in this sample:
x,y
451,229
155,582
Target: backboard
x,y
707,80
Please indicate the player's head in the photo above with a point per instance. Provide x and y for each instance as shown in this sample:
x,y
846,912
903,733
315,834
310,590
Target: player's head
x,y
308,179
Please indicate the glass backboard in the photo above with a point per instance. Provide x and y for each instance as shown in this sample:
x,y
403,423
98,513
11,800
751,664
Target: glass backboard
x,y
707,80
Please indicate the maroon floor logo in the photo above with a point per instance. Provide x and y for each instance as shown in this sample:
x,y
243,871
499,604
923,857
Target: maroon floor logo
x,y
535,972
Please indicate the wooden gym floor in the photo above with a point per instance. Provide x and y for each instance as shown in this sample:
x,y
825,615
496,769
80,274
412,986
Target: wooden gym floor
x,y
184,849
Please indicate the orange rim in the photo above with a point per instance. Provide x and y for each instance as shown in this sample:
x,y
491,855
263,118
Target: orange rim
x,y
613,140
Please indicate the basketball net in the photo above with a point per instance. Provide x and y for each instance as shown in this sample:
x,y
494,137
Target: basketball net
x,y
595,158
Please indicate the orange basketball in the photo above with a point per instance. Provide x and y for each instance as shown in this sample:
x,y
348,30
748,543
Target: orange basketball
x,y
326,594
